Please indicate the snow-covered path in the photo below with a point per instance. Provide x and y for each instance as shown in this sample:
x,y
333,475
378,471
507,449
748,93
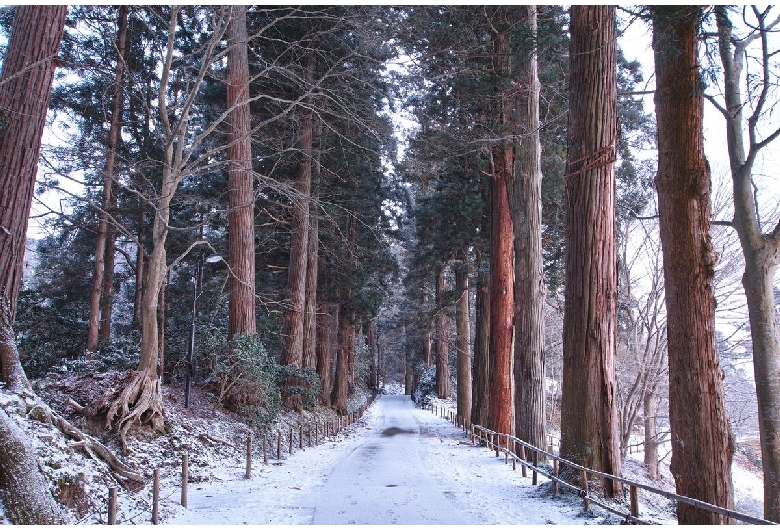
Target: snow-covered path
x,y
398,465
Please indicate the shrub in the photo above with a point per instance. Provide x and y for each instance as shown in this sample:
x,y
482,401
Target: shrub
x,y
244,377
302,382
426,387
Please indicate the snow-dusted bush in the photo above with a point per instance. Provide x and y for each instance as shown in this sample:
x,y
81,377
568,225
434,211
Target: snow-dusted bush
x,y
426,387
244,377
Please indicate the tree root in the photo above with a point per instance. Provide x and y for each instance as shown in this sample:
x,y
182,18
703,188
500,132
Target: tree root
x,y
140,399
123,474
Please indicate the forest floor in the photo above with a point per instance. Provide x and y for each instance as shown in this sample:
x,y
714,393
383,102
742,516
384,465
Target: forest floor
x,y
288,491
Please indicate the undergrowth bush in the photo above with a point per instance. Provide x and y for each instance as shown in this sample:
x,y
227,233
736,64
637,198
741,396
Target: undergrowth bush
x,y
303,382
426,387
244,377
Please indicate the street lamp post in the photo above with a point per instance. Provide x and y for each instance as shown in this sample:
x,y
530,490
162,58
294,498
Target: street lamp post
x,y
197,279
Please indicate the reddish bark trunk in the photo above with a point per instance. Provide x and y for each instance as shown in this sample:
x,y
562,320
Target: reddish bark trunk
x,y
241,227
310,307
462,344
25,91
296,276
589,423
501,295
442,349
701,442
323,352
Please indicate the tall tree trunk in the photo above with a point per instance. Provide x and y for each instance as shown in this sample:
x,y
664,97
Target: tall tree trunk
x,y
408,364
108,188
501,296
463,341
323,352
589,422
702,447
25,90
442,349
373,351
761,252
526,204
140,262
312,268
310,306
340,382
480,390
650,410
296,276
241,216
107,300
427,350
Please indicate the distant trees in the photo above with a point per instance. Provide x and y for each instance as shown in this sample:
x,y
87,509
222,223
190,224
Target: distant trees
x,y
702,446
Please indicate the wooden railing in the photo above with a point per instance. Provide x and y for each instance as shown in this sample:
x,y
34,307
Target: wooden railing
x,y
530,455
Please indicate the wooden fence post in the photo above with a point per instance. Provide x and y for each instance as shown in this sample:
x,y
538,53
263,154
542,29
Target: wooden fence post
x,y
248,473
112,505
156,497
523,461
555,474
514,464
586,499
300,436
279,445
634,500
534,477
497,445
291,441
185,472
265,449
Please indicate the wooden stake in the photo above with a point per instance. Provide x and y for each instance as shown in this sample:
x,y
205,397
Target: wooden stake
x,y
634,500
248,473
555,474
586,499
112,505
514,464
523,461
156,497
291,441
279,445
300,436
185,472
265,450
536,464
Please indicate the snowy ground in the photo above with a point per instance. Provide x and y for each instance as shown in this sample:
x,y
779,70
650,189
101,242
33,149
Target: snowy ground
x,y
398,465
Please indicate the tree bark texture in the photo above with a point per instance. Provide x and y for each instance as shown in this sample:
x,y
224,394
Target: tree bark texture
x,y
701,443
526,206
442,346
25,493
650,410
296,275
312,272
589,422
341,378
25,91
501,296
241,216
480,390
102,245
324,352
762,255
463,341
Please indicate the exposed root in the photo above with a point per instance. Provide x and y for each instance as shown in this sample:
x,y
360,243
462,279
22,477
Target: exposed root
x,y
140,400
124,475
